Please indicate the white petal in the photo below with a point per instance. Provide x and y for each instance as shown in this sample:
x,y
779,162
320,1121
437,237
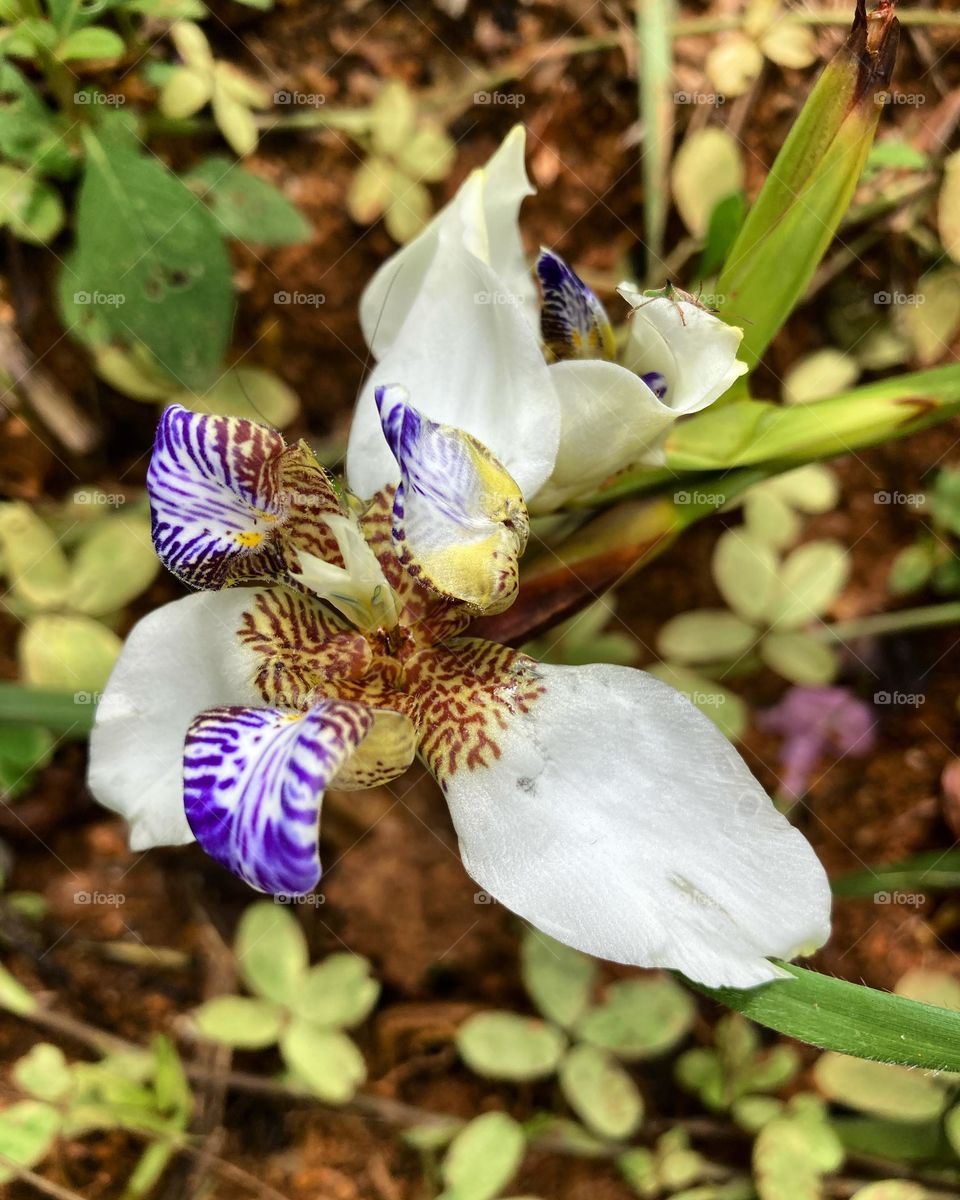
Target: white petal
x,y
492,224
702,360
471,359
609,418
181,659
619,820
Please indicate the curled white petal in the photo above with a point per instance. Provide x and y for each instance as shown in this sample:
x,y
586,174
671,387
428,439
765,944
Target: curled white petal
x,y
619,820
181,659
694,351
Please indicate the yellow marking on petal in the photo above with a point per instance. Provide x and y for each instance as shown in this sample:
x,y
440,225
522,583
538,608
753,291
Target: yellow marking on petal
x,y
386,752
248,538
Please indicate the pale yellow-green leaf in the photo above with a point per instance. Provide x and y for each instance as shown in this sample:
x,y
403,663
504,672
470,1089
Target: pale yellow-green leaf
x,y
789,44
251,392
428,155
705,635
185,92
241,87
930,987
727,711
248,1024
324,1060
132,372
191,44
394,116
14,997
33,560
601,1092
115,563
932,320
811,578
505,1045
43,1072
271,951
745,571
95,42
707,168
409,207
881,348
337,993
235,121
369,190
811,489
67,654
948,207
818,376
733,64
896,1093
483,1157
28,1130
558,978
769,518
799,658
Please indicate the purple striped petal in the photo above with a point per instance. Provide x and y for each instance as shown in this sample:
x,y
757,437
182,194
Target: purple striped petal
x,y
228,498
573,322
253,784
459,520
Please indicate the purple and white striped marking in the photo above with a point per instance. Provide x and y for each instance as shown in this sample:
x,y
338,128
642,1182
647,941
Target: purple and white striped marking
x,y
215,497
253,785
573,322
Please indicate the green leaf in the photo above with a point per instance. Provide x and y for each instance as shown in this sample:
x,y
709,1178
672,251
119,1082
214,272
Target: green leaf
x,y
725,222
897,1141
67,653
112,566
504,1045
725,708
337,993
369,191
27,1133
930,987
185,92
948,207
891,1189
250,392
746,572
483,1157
96,41
601,1092
640,1018
408,208
150,267
849,1018
934,870
707,169
32,209
811,578
245,206
70,714
24,750
790,1155
324,1060
932,321
818,376
271,951
240,1021
233,117
799,658
30,133
133,372
879,1089
428,155
705,635
558,978
170,1082
394,115
32,558
43,1072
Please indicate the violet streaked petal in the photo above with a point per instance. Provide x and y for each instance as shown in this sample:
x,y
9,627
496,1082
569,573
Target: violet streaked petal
x,y
573,322
254,780
459,520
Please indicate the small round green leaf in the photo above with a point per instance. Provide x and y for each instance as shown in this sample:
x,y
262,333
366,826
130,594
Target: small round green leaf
x,y
705,635
503,1045
601,1092
640,1018
251,392
324,1060
707,168
337,993
558,978
745,571
114,564
811,578
271,951
33,561
43,1072
240,1021
95,41
483,1157
27,1133
67,653
799,658
897,1093
818,376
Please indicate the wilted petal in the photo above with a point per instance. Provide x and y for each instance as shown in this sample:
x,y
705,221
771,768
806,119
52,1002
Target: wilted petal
x,y
484,212
693,352
471,355
228,497
254,780
459,521
600,805
609,418
573,322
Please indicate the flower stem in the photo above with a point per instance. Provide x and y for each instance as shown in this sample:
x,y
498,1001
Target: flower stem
x,y
929,617
68,713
